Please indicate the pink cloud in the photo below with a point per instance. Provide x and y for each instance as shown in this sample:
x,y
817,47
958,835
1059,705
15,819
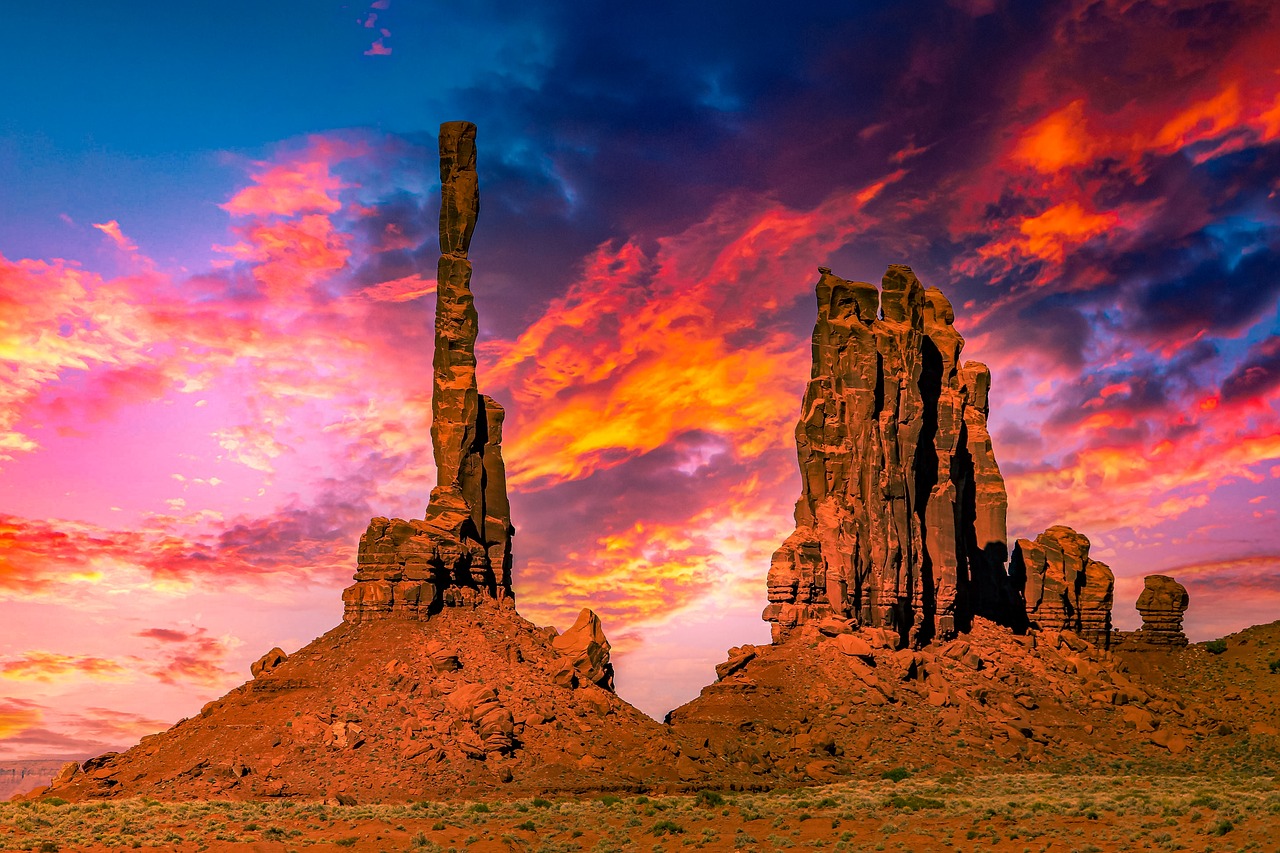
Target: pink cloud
x,y
112,230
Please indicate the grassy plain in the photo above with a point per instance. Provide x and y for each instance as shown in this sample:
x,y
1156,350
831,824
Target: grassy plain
x,y
1009,812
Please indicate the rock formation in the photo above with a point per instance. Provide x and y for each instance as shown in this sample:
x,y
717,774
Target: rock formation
x,y
460,553
586,652
1062,587
901,519
1162,603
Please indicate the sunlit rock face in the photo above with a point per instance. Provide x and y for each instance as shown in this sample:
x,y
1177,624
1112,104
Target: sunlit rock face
x,y
1162,604
1062,587
901,519
459,554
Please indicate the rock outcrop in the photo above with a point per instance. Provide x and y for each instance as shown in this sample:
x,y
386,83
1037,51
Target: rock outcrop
x,y
1062,588
460,553
901,520
1162,604
586,652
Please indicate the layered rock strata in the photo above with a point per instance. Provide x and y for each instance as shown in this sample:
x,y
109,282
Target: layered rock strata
x,y
1162,604
459,554
901,519
1063,589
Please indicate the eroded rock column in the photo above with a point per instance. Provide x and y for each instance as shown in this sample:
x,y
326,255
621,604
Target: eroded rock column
x,y
459,554
901,518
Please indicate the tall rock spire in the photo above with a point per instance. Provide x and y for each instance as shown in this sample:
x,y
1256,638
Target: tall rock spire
x,y
901,519
460,553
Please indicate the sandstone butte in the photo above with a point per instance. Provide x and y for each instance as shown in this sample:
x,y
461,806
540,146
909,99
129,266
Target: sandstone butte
x,y
900,637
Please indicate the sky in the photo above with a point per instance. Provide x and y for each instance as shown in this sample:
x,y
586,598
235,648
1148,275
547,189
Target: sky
x,y
217,260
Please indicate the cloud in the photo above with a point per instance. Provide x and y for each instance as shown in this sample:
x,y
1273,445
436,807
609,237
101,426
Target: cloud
x,y
300,184
1257,374
49,666
112,230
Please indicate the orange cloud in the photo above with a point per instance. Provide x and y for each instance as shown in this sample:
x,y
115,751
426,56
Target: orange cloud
x,y
1050,234
50,666
1058,141
17,716
645,347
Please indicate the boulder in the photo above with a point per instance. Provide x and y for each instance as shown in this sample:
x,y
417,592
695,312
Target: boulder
x,y
587,650
268,662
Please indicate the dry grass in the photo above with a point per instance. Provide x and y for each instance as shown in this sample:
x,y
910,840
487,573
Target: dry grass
x,y
1038,813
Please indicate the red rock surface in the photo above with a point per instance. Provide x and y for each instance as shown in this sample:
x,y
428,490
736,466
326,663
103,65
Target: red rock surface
x,y
901,520
1162,604
460,553
462,704
1062,587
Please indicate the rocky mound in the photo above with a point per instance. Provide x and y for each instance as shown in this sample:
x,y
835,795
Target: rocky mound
x,y
825,705
433,685
467,703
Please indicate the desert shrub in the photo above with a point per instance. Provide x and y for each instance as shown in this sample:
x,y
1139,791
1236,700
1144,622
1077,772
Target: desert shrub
x,y
479,808
897,774
914,802
527,826
667,827
539,803
1222,827
1215,647
47,847
610,800
1204,801
54,801
346,842
1275,665
709,799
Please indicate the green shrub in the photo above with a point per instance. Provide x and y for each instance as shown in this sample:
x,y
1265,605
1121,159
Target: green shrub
x,y
914,802
47,847
897,774
346,842
709,799
667,827
1275,665
1215,647
610,800
479,808
58,801
527,826
539,803
1222,827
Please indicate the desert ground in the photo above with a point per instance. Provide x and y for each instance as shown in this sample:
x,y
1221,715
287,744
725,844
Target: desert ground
x,y
906,811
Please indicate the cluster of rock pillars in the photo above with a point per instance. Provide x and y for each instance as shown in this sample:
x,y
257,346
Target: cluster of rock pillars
x,y
899,545
901,519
